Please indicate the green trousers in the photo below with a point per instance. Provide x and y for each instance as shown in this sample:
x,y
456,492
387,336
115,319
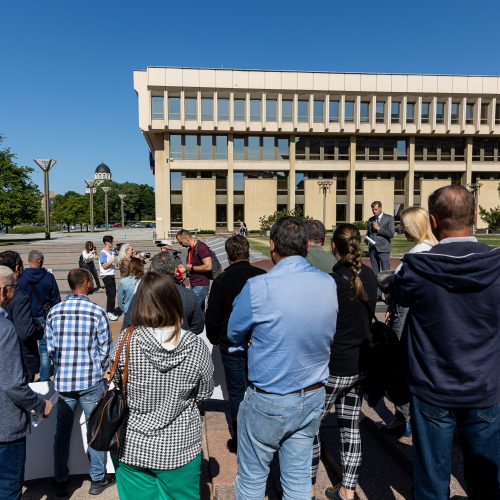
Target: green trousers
x,y
137,483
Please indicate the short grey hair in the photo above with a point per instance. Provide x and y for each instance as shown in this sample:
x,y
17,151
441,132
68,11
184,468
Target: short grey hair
x,y
5,274
35,256
164,262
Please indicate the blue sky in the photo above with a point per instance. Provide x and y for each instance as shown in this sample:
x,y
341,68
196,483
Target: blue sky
x,y
66,88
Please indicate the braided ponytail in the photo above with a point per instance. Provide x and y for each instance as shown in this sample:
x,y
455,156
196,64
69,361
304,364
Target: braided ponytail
x,y
348,243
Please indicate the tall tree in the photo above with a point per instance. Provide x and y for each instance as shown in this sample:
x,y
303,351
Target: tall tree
x,y
71,208
19,196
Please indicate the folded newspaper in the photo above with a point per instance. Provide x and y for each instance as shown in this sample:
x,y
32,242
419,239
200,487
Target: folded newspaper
x,y
370,240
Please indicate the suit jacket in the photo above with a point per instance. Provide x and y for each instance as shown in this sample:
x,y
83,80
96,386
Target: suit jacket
x,y
383,236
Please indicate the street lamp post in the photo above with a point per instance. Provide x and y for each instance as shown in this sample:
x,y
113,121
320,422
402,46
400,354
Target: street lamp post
x,y
46,165
122,200
474,188
106,191
91,189
325,187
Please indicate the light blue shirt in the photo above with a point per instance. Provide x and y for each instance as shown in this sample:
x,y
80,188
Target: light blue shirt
x,y
290,314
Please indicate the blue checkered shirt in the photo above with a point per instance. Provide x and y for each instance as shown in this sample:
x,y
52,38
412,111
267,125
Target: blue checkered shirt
x,y
78,340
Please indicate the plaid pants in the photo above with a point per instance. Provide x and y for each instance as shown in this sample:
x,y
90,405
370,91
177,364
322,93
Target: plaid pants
x,y
347,395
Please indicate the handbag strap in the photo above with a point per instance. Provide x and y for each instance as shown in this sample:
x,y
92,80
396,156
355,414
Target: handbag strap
x,y
125,338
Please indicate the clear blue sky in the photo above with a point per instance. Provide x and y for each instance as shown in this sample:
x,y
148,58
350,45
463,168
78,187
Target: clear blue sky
x,y
66,67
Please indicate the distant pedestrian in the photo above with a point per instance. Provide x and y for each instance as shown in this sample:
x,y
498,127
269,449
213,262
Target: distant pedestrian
x,y
453,345
224,290
107,261
17,401
169,372
316,256
129,283
78,341
88,255
42,288
288,317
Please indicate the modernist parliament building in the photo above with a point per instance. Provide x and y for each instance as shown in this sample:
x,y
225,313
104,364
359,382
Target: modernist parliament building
x,y
231,145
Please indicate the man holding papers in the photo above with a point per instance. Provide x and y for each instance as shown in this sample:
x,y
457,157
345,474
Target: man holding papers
x,y
378,236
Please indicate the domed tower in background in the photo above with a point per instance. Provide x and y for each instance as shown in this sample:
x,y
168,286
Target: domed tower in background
x,y
102,173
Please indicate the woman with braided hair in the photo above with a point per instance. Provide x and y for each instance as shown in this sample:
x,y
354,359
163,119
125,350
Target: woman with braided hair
x,y
357,295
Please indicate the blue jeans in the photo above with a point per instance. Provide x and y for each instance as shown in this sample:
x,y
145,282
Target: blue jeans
x,y
380,261
201,293
433,430
12,458
268,423
235,371
66,406
45,363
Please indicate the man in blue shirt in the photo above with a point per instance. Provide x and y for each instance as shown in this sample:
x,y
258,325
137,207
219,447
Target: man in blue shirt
x,y
288,318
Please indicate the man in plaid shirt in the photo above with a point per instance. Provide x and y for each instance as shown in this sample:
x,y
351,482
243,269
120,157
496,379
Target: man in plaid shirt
x,y
78,341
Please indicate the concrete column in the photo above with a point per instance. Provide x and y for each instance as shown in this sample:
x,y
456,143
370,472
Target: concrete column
x,y
492,114
161,145
216,109
432,112
198,108
327,112
351,180
165,108
230,184
410,176
403,111
182,108
467,177
291,175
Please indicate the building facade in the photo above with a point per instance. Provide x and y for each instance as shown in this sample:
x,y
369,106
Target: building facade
x,y
231,145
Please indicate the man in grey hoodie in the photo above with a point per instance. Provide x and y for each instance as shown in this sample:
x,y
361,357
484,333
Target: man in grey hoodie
x,y
17,400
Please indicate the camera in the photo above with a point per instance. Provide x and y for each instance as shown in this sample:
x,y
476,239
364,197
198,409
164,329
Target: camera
x,y
143,255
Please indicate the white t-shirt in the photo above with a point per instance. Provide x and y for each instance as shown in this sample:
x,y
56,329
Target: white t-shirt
x,y
106,256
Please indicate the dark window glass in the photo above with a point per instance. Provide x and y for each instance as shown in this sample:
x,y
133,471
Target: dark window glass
x,y
221,215
303,111
253,147
157,107
223,109
410,112
283,149
425,116
300,147
269,148
349,111
341,183
176,182
176,147
341,212
239,148
286,110
380,111
358,211
221,147
271,110
299,183
207,108
206,174
190,108
319,106
469,114
239,110
174,108
484,113
221,182
364,114
176,215
334,111
206,147
238,182
314,148
401,147
191,147
191,174
497,114
239,213
255,110
440,112
454,112
282,183
395,107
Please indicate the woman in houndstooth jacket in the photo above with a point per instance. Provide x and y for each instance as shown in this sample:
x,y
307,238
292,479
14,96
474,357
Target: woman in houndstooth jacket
x,y
170,372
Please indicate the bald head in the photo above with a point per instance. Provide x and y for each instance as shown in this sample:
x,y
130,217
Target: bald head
x,y
7,285
452,211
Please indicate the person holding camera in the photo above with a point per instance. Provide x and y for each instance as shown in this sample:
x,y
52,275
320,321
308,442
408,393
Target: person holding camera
x,y
107,264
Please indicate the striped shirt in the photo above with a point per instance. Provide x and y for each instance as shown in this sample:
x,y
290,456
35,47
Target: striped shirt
x,y
79,342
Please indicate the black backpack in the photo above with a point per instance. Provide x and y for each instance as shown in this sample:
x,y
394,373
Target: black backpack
x,y
216,267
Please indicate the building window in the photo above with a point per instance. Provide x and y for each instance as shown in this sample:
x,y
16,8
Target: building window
x,y
469,114
484,113
253,147
271,110
175,182
303,108
223,109
157,107
221,147
221,183
282,183
410,112
334,111
341,212
395,107
176,215
401,149
425,115
299,183
283,148
174,108
190,147
255,110
376,149
429,149
319,106
175,147
198,147
190,108
221,215
486,150
358,211
321,148
238,184
440,112
207,109
341,183
239,110
349,111
239,148
380,111
364,112
454,112
206,147
286,110
497,114
257,148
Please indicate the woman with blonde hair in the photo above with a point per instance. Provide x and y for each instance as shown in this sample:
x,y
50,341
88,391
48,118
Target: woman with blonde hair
x,y
129,282
123,258
357,296
169,372
417,228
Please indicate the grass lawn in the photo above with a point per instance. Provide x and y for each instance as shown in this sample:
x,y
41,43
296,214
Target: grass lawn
x,y
400,245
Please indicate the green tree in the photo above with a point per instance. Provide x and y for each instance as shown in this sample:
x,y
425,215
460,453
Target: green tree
x,y
20,197
491,217
267,222
71,208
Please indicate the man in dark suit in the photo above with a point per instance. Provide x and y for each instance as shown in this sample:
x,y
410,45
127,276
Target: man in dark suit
x,y
380,231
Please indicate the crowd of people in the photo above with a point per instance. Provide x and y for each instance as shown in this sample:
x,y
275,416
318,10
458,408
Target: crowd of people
x,y
295,343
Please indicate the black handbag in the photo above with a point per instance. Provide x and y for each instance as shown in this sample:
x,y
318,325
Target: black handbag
x,y
106,422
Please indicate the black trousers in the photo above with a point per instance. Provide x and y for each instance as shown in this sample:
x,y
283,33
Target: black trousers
x,y
110,285
91,267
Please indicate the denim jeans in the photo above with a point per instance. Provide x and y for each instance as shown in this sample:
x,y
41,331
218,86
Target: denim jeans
x,y
201,293
66,406
12,458
433,430
268,423
235,371
45,363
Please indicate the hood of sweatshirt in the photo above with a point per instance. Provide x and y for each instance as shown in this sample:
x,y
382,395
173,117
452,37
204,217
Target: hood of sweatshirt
x,y
458,267
163,355
34,274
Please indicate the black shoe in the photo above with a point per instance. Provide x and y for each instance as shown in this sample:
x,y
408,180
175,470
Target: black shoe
x,y
60,488
396,427
232,445
97,487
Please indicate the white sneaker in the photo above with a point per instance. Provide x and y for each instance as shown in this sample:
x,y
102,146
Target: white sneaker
x,y
112,317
